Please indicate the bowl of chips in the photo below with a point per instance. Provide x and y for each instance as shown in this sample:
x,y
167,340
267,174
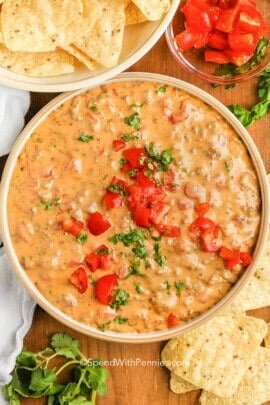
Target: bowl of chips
x,y
55,46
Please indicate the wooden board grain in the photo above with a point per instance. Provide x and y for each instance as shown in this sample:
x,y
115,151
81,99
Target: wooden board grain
x,y
139,384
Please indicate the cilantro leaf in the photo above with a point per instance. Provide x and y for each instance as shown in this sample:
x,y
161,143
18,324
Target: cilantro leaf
x,y
86,138
65,345
120,299
138,288
41,379
160,259
133,121
117,189
26,359
81,238
179,287
163,159
120,320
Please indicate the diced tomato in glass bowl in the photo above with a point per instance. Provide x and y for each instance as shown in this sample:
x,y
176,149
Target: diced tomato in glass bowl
x,y
217,39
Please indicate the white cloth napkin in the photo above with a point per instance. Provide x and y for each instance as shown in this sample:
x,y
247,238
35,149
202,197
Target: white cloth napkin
x,y
16,307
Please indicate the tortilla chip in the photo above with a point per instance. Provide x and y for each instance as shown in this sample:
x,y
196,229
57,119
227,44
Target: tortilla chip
x,y
42,26
85,59
40,64
253,389
216,356
153,9
257,293
104,42
134,15
179,386
267,337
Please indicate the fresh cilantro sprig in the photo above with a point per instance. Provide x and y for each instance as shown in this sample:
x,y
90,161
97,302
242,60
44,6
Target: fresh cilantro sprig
x,y
162,159
248,116
33,378
230,69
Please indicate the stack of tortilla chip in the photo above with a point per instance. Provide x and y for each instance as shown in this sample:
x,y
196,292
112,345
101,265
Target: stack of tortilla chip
x,y
225,357
51,37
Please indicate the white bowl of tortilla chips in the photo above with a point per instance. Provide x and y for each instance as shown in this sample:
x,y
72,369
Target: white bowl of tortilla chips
x,y
65,45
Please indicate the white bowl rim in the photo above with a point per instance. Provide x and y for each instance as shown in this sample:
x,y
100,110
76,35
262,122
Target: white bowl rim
x,y
149,336
24,82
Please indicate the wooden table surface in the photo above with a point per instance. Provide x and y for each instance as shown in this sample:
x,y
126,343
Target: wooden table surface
x,y
139,385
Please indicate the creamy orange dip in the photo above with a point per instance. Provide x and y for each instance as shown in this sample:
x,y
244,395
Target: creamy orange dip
x,y
181,213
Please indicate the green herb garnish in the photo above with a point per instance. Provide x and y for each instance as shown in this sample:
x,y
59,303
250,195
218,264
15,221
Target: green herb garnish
x,y
134,236
133,121
93,107
134,270
230,69
136,105
138,287
259,110
86,138
130,137
168,287
162,89
179,287
132,173
47,205
120,299
163,159
103,251
81,238
159,258
120,320
33,378
117,189
122,162
104,326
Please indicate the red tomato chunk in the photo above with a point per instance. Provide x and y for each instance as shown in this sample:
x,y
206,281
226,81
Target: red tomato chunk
x,y
104,288
80,280
97,224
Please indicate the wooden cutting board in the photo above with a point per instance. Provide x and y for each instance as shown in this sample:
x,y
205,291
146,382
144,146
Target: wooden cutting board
x,y
139,384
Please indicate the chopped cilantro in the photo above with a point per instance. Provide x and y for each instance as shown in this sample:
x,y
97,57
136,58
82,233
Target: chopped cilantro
x,y
159,258
140,252
138,287
230,69
104,326
120,320
162,89
179,287
163,159
47,205
135,270
81,238
133,121
93,107
103,251
120,299
85,138
132,173
134,236
122,162
168,287
130,137
117,189
136,105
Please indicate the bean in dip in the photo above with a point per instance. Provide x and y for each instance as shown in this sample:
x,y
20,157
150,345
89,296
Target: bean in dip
x,y
134,207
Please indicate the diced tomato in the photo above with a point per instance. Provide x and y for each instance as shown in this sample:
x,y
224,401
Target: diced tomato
x,y
158,211
144,180
216,57
92,261
201,224
238,58
228,254
118,144
196,19
72,226
135,197
231,264
214,13
172,320
144,195
141,216
185,40
105,261
227,19
169,231
250,20
112,200
208,238
80,280
218,40
137,157
127,167
104,288
245,258
202,209
241,42
97,223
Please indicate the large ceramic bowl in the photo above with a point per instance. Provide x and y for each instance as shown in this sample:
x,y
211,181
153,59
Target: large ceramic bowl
x,y
133,337
138,40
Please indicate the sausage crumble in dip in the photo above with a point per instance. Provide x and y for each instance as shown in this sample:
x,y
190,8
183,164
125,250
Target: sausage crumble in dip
x,y
134,207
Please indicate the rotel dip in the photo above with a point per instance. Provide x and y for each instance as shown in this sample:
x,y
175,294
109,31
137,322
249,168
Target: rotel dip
x,y
134,207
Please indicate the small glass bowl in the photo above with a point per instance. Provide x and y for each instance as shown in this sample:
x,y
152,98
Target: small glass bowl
x,y
193,60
